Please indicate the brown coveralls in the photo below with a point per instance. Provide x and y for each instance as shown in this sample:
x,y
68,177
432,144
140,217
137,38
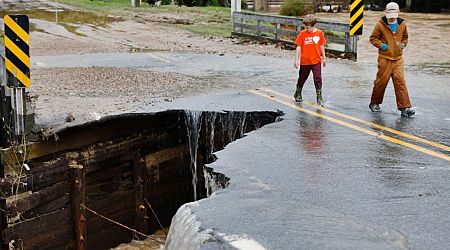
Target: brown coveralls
x,y
390,62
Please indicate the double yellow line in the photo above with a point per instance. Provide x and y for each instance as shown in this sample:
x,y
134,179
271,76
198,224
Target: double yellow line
x,y
270,94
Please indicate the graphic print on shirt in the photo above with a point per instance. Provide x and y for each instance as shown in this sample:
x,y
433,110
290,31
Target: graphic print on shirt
x,y
311,40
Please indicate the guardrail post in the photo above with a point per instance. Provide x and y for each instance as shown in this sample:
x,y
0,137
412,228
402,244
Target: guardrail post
x,y
355,47
348,43
258,29
277,29
233,20
351,46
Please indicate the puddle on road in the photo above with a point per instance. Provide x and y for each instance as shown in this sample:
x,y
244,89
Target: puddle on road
x,y
65,18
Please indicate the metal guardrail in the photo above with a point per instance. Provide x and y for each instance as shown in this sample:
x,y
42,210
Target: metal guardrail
x,y
285,29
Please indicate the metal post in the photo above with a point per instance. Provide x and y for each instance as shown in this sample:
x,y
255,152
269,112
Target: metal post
x,y
355,48
5,102
348,43
351,46
235,6
135,3
18,107
408,4
15,79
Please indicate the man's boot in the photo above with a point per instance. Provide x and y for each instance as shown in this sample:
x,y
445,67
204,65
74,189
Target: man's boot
x,y
406,112
319,97
298,95
375,107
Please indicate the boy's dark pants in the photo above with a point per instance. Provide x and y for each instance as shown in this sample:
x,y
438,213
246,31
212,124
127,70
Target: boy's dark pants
x,y
304,73
386,70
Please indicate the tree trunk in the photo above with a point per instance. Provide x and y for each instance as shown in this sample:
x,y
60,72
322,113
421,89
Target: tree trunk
x,y
262,5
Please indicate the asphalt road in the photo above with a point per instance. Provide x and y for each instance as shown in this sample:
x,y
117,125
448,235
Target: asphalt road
x,y
333,177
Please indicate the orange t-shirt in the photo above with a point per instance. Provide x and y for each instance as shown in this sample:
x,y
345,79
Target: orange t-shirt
x,y
310,43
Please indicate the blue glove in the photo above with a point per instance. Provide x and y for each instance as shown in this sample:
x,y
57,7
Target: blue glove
x,y
383,46
403,45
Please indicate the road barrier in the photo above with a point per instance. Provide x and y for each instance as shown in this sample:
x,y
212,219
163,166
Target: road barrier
x,y
16,121
356,17
285,30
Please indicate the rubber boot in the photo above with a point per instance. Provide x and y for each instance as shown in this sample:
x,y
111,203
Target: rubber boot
x,y
298,95
319,97
406,112
374,107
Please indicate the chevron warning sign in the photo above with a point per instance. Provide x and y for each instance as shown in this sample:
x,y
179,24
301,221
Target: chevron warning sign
x,y
17,50
356,17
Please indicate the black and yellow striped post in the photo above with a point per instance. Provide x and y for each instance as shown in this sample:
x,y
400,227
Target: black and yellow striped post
x,y
17,50
356,17
16,63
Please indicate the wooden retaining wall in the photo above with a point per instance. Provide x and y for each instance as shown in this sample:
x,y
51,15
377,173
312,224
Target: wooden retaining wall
x,y
107,172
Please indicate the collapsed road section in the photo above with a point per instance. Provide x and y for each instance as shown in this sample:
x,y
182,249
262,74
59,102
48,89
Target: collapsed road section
x,y
93,186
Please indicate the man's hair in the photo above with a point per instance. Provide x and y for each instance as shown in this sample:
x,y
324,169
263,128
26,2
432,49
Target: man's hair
x,y
310,20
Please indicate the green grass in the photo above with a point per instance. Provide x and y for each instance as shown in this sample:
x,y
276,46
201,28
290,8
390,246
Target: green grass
x,y
98,4
334,33
208,30
208,21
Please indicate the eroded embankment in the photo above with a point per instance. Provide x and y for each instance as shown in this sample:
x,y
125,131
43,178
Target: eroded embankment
x,y
94,185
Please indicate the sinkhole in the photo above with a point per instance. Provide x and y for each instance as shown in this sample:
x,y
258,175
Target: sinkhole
x,y
107,182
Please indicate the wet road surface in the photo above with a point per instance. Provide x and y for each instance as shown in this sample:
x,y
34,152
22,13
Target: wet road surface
x,y
335,177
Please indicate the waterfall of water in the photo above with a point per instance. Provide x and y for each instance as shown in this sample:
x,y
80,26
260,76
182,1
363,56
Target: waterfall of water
x,y
193,122
210,126
185,231
235,125
242,124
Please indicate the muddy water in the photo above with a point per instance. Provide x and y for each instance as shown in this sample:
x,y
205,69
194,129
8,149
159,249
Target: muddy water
x,y
147,244
66,18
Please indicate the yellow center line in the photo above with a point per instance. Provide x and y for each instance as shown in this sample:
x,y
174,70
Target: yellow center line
x,y
371,124
346,124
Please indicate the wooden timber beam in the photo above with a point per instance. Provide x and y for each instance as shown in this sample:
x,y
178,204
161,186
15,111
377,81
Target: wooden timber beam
x,y
78,177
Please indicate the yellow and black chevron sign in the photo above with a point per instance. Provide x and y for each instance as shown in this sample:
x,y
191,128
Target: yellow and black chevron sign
x,y
356,17
17,50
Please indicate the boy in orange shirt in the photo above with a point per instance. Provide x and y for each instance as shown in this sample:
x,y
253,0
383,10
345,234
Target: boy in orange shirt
x,y
309,56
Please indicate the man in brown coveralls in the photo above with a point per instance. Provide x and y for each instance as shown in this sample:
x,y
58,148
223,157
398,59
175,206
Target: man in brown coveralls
x,y
390,36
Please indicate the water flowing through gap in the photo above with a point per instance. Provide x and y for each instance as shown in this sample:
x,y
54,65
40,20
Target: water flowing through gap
x,y
193,122
131,164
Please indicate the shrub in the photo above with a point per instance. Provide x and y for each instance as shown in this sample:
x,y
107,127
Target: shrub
x,y
293,8
214,3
